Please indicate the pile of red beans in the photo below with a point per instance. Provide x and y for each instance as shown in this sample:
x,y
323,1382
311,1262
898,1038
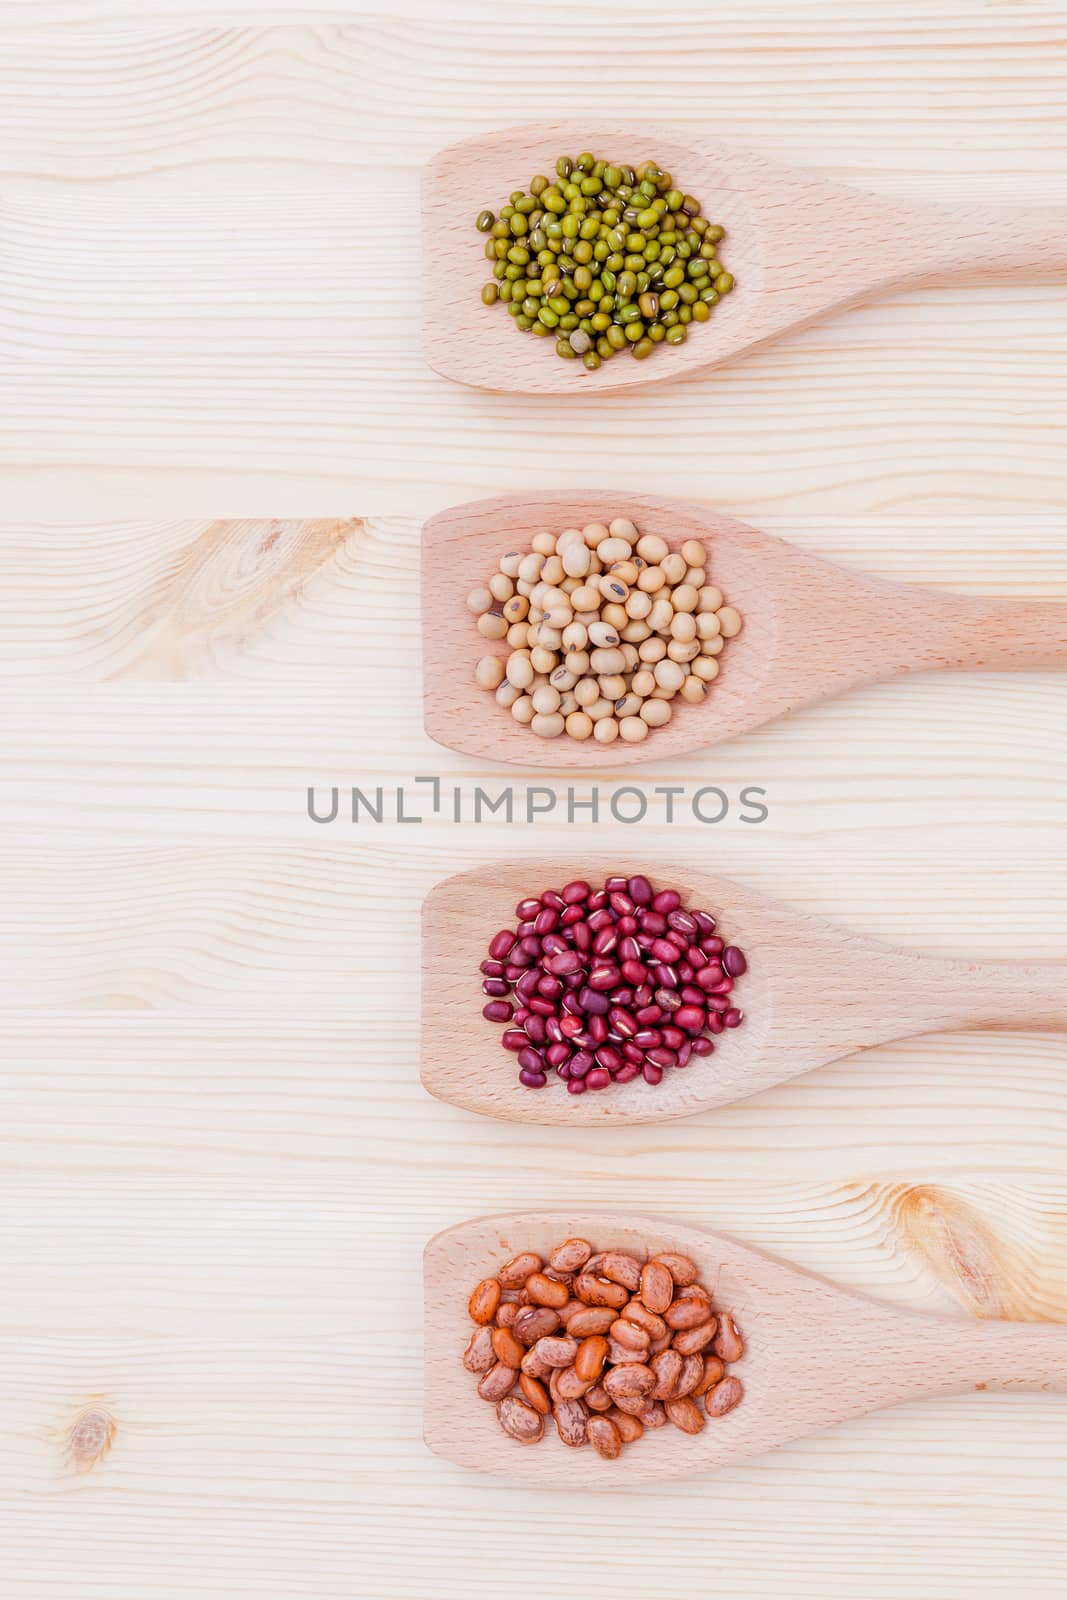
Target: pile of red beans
x,y
602,986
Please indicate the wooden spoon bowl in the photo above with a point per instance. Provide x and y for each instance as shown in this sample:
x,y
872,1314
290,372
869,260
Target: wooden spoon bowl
x,y
815,1355
798,248
811,629
813,993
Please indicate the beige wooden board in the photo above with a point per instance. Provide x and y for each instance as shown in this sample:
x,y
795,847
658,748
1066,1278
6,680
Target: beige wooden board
x,y
217,1167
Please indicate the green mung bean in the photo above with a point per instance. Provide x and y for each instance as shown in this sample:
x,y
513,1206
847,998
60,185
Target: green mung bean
x,y
604,257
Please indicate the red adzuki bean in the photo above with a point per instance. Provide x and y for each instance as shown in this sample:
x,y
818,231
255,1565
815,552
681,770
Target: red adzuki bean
x,y
606,985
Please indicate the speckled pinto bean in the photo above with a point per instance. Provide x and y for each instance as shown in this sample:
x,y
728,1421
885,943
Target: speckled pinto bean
x,y
589,1320
667,1367
686,1314
593,1355
657,1286
639,1314
571,1419
723,1397
479,1355
685,1414
729,1345
621,1268
535,1394
571,1256
603,1435
692,1340
520,1421
484,1300
533,1323
497,1382
681,1269
600,1291
516,1272
507,1348
546,1291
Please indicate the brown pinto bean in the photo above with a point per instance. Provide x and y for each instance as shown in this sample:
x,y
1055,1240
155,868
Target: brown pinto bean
x,y
657,1286
603,1435
637,1312
630,1336
635,1404
629,1428
535,1393
570,1256
479,1355
694,1291
621,1268
619,1354
484,1301
556,1352
600,1291
565,1278
685,1414
546,1291
691,1340
497,1382
520,1421
680,1268
595,1262
691,1374
686,1314
729,1345
533,1323
567,1385
667,1367
713,1371
535,1367
506,1312
722,1397
589,1320
661,1344
507,1348
592,1354
597,1398
570,1417
571,1309
516,1271
629,1379
654,1416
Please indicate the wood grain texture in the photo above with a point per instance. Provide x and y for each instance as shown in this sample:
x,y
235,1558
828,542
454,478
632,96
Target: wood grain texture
x,y
814,1357
218,1169
184,256
812,630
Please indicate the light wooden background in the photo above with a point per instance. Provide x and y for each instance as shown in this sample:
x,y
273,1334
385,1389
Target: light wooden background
x,y
217,1167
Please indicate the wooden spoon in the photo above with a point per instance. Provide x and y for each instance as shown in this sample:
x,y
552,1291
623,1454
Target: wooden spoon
x,y
815,1354
798,248
813,992
811,629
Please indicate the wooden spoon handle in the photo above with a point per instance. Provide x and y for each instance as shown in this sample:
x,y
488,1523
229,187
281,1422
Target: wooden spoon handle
x,y
873,994
1002,1356
1005,635
999,994
995,241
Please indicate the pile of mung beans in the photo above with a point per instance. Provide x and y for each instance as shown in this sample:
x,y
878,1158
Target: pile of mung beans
x,y
602,986
603,258
604,1344
605,627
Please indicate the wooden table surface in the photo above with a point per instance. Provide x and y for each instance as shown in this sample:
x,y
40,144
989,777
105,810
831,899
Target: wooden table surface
x,y
218,1166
